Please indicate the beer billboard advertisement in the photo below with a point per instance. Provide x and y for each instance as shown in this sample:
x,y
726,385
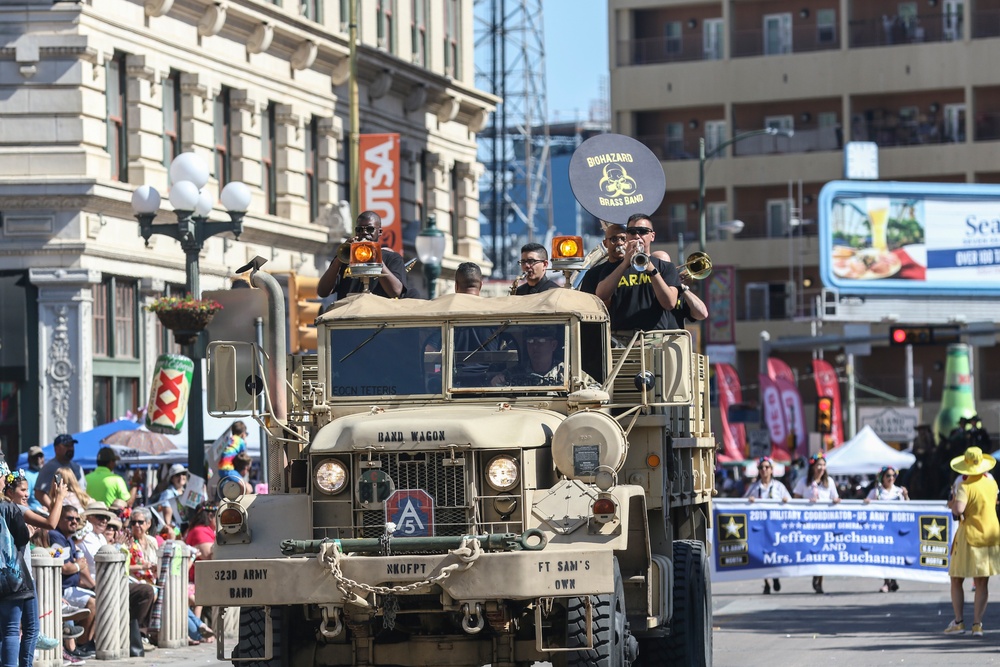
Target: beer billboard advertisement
x,y
899,238
379,191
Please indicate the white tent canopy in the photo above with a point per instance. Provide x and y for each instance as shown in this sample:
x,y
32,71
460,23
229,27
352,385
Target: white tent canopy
x,y
866,454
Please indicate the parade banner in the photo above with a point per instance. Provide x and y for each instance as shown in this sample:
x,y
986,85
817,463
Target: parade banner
x,y
886,540
827,384
774,413
721,326
779,370
734,436
795,418
379,191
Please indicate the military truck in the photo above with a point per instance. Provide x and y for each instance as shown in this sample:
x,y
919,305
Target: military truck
x,y
440,495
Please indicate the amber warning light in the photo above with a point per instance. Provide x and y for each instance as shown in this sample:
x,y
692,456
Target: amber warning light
x,y
567,253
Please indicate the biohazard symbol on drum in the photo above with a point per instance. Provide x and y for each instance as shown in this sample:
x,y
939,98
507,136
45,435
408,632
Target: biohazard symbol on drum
x,y
616,182
168,398
412,510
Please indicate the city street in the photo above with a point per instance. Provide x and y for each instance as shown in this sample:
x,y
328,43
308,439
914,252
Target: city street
x,y
852,624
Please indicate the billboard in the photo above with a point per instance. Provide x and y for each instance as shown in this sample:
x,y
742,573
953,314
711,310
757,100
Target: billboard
x,y
901,238
379,191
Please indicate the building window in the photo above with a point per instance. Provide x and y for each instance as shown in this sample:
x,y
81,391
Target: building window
x,y
672,37
345,14
418,31
165,343
117,110
677,218
171,117
453,204
826,26
385,12
716,213
114,396
420,187
313,10
269,157
115,331
452,50
312,168
223,136
777,217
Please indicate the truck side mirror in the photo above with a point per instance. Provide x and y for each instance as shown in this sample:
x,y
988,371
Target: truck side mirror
x,y
234,382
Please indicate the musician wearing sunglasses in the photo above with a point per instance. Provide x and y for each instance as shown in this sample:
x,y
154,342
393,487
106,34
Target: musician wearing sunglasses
x,y
392,282
534,264
637,300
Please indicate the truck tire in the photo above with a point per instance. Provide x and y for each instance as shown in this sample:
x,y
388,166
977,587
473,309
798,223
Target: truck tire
x,y
251,642
690,639
614,645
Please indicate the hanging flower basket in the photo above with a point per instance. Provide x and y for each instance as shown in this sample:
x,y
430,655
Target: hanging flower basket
x,y
185,316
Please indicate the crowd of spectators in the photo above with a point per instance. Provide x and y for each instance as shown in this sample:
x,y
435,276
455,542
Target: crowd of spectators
x,y
53,509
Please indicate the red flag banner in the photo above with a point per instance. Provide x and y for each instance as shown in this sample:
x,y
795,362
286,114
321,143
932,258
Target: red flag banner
x,y
791,400
774,416
379,191
734,436
779,370
828,385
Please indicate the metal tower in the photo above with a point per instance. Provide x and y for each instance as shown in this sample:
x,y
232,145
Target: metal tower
x,y
515,193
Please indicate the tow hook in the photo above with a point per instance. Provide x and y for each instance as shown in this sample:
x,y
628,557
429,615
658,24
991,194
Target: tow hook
x,y
324,627
467,619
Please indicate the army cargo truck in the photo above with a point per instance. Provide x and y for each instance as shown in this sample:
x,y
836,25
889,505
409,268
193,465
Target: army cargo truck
x,y
469,481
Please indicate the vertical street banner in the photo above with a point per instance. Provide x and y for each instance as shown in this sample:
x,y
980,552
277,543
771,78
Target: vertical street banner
x,y
779,370
379,191
734,436
827,384
886,540
774,417
721,323
795,418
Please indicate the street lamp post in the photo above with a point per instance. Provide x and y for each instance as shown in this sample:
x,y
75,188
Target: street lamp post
x,y
430,249
703,158
192,205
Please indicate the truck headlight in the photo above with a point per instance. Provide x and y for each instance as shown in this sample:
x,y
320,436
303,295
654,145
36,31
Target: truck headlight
x,y
502,473
331,477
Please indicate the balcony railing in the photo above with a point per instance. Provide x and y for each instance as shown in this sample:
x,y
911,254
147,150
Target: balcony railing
x,y
666,148
805,140
907,134
650,50
985,23
987,126
891,30
747,43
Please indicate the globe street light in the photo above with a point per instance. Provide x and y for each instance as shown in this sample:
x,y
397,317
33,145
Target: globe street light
x,y
704,157
192,205
430,249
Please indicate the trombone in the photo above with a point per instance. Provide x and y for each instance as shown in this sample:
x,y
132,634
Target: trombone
x,y
697,267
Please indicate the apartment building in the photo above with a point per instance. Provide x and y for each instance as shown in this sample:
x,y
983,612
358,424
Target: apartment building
x,y
916,77
98,96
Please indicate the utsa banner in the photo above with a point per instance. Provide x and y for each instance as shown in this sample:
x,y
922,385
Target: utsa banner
x,y
379,191
887,540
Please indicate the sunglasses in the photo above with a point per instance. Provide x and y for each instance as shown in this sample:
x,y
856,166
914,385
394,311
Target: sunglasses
x,y
365,229
638,231
72,519
137,523
889,474
530,262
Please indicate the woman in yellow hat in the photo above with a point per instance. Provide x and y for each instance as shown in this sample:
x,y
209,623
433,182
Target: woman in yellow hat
x,y
976,550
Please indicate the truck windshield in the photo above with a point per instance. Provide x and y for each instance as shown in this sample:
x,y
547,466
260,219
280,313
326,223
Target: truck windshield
x,y
506,355
385,361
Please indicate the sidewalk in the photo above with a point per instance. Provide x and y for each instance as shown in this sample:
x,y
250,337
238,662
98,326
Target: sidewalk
x,y
203,654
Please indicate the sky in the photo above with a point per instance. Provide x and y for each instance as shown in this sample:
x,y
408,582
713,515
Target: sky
x,y
576,55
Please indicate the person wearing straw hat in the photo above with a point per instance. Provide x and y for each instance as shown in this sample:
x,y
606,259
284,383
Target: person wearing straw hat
x,y
975,552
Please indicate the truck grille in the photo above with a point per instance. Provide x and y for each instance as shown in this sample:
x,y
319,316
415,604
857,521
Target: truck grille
x,y
426,470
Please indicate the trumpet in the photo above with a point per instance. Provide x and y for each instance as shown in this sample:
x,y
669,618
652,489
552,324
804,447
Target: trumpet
x,y
640,260
513,285
344,252
697,267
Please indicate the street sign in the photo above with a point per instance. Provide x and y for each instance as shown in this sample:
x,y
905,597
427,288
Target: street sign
x,y
412,510
892,424
760,442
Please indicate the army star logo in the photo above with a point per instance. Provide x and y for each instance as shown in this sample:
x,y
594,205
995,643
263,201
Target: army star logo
x,y
732,527
934,531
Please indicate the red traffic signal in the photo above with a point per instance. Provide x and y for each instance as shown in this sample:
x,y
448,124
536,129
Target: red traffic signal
x,y
923,335
824,414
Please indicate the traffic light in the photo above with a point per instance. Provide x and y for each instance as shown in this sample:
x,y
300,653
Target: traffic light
x,y
824,414
303,308
924,335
